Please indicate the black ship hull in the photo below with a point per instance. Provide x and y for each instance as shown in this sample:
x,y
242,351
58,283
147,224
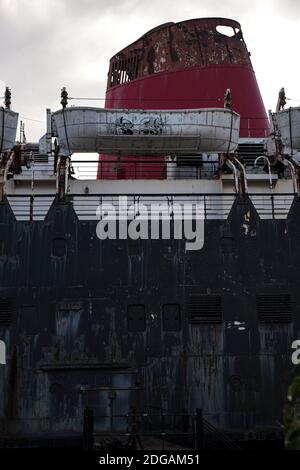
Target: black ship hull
x,y
117,325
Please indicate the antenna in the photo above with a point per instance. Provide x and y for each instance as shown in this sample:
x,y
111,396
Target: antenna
x,y
7,97
281,101
22,133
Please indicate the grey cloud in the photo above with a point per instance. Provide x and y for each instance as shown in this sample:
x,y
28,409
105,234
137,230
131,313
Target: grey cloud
x,y
287,8
47,44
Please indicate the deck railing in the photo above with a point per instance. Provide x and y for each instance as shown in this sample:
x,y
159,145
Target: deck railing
x,y
170,430
214,206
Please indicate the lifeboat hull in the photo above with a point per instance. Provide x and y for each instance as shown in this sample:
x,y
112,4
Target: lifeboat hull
x,y
287,122
139,132
8,129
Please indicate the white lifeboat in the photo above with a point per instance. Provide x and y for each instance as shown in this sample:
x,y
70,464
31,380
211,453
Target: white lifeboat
x,y
8,129
146,132
287,122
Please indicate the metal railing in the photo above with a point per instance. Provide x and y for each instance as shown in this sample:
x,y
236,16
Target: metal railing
x,y
170,430
181,168
214,206
145,168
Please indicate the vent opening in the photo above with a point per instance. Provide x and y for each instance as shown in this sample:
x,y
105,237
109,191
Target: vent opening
x,y
226,31
123,71
192,160
6,310
248,153
171,317
136,318
205,309
274,308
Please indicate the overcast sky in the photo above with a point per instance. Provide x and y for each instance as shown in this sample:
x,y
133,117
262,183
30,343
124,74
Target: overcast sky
x,y
47,44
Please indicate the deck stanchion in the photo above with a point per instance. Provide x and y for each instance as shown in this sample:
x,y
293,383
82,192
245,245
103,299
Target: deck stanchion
x,y
88,429
199,432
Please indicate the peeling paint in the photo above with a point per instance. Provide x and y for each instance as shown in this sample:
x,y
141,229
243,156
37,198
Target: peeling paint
x,y
74,347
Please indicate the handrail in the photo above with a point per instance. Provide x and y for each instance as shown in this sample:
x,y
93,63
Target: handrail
x,y
269,168
235,176
152,194
7,166
294,176
244,173
212,205
222,437
67,168
57,174
196,429
5,173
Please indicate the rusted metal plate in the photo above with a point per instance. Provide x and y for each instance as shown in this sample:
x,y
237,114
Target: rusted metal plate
x,y
180,45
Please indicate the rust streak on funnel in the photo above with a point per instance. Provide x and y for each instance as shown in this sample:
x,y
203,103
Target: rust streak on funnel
x,y
182,66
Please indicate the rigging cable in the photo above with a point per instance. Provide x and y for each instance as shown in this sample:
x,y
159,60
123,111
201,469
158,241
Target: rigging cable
x,y
143,99
30,119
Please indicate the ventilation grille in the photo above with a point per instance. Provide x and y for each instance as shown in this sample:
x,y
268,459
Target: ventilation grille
x,y
123,71
5,311
32,151
38,158
205,309
274,308
193,160
249,152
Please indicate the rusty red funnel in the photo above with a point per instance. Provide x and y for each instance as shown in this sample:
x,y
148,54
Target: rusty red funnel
x,y
185,65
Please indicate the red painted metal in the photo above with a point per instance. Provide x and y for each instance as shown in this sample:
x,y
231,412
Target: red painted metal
x,y
185,65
